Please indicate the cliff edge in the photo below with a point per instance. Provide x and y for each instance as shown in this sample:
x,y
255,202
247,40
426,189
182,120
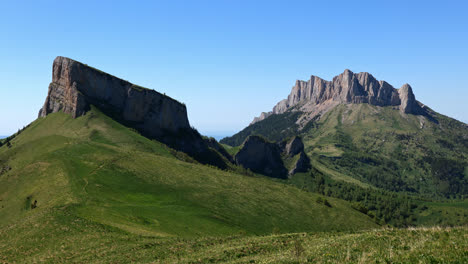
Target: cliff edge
x,y
76,86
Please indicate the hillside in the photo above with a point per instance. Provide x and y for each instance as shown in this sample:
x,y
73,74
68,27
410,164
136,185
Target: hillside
x,y
122,177
93,171
73,240
76,240
75,87
371,142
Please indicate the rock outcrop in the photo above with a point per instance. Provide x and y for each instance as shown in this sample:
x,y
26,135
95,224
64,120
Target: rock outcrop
x,y
409,105
294,147
301,165
269,158
262,157
293,150
76,86
348,87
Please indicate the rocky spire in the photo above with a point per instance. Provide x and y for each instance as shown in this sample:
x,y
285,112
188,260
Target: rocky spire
x,y
408,105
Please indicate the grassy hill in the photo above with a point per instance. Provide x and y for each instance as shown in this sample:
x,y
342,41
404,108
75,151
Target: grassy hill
x,y
380,147
397,168
67,238
93,176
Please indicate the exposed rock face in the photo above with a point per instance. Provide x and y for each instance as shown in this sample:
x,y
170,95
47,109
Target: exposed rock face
x,y
408,105
76,86
294,147
262,157
267,158
301,165
347,87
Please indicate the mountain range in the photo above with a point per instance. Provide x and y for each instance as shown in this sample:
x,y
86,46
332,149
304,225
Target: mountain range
x,y
113,172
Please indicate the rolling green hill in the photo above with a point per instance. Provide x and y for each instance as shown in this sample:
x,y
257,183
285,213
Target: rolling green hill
x,y
93,174
380,147
82,184
392,166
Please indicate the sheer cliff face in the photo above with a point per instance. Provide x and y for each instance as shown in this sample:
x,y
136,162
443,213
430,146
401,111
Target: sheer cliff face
x,y
75,86
320,95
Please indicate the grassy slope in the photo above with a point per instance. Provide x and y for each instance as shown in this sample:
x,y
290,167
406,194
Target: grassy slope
x,y
404,151
64,237
94,172
378,146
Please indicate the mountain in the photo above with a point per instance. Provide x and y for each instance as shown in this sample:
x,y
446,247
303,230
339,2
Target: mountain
x,y
94,176
319,96
357,129
76,86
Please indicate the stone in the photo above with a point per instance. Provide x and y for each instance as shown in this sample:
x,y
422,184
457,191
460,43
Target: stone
x,y
76,86
408,101
261,156
302,164
294,147
317,95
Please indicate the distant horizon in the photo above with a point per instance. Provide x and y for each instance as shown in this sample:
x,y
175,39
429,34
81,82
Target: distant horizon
x,y
228,61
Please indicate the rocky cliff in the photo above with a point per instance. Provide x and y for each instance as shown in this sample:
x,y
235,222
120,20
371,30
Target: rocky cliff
x,y
261,156
278,160
294,155
318,96
76,86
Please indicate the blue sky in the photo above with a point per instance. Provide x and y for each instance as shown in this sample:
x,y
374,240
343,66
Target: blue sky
x,y
230,60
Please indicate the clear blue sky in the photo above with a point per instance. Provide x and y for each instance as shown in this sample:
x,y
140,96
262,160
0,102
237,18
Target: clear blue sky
x,y
230,60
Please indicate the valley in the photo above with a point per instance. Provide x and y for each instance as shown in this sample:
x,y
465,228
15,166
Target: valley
x,y
113,172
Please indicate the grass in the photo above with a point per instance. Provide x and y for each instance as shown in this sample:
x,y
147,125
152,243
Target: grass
x,y
107,194
99,184
76,240
380,147
364,150
231,150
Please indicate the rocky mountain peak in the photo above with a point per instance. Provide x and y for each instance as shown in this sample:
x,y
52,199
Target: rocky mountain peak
x,y
318,96
408,105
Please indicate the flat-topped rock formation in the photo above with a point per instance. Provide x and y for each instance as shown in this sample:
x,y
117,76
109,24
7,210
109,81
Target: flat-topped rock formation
x,y
352,88
76,86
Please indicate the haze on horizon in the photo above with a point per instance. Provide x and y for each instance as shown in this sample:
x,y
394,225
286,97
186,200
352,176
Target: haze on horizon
x,y
229,61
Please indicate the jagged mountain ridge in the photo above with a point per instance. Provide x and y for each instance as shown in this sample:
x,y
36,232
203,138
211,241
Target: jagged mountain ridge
x,y
318,96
